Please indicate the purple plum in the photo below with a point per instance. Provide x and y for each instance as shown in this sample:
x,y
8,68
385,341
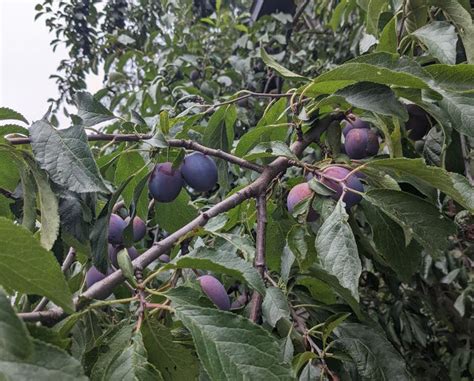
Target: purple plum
x,y
93,276
351,122
296,195
361,143
337,172
165,183
418,123
199,172
215,291
116,228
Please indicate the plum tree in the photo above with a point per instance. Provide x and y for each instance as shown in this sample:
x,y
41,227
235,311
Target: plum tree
x,y
93,275
418,123
296,195
114,250
360,143
352,182
116,228
351,122
139,228
215,291
199,172
165,183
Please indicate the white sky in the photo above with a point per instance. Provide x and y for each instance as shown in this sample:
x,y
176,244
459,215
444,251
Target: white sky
x,y
27,61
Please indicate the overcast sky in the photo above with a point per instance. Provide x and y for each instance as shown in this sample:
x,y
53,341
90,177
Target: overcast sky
x,y
27,61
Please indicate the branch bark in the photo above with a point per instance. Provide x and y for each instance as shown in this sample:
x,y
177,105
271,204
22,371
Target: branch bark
x,y
257,299
179,143
105,287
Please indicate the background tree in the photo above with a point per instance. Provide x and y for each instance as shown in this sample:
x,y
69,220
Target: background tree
x,y
276,197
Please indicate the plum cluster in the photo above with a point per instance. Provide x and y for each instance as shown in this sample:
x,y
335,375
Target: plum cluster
x,y
360,140
199,171
116,229
334,177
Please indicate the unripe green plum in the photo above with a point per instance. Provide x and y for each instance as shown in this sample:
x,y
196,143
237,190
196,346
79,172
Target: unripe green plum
x,y
215,291
199,172
93,275
418,123
165,183
351,122
360,143
115,230
352,182
139,228
296,195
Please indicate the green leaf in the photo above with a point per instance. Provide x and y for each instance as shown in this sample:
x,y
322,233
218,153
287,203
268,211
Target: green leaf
x,y
372,97
91,111
374,10
276,232
47,362
388,41
419,217
337,250
285,73
463,21
300,243
115,346
275,306
173,215
374,356
174,361
440,38
221,262
270,149
354,72
271,127
416,12
23,358
460,108
27,267
389,241
458,78
230,346
415,170
14,338
132,364
66,156
9,114
48,205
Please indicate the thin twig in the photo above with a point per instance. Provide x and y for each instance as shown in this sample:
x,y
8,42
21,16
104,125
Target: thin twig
x,y
256,303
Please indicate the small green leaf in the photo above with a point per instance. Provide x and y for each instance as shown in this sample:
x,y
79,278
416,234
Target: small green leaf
x,y
440,38
9,114
337,250
221,262
416,215
173,215
285,73
173,360
275,306
388,41
126,266
230,346
66,156
27,267
91,111
270,149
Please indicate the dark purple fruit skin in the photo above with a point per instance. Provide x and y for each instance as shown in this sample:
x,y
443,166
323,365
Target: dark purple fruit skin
x,y
139,228
165,183
352,122
164,258
93,276
352,182
116,228
418,123
297,194
239,302
361,143
114,250
215,291
199,172
194,76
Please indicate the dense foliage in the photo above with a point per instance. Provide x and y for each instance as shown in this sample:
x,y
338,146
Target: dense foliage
x,y
280,196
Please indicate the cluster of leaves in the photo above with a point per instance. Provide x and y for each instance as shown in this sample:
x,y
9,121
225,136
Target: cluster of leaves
x,y
381,291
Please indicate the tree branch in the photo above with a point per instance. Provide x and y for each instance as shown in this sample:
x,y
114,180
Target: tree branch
x,y
105,287
188,144
256,303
